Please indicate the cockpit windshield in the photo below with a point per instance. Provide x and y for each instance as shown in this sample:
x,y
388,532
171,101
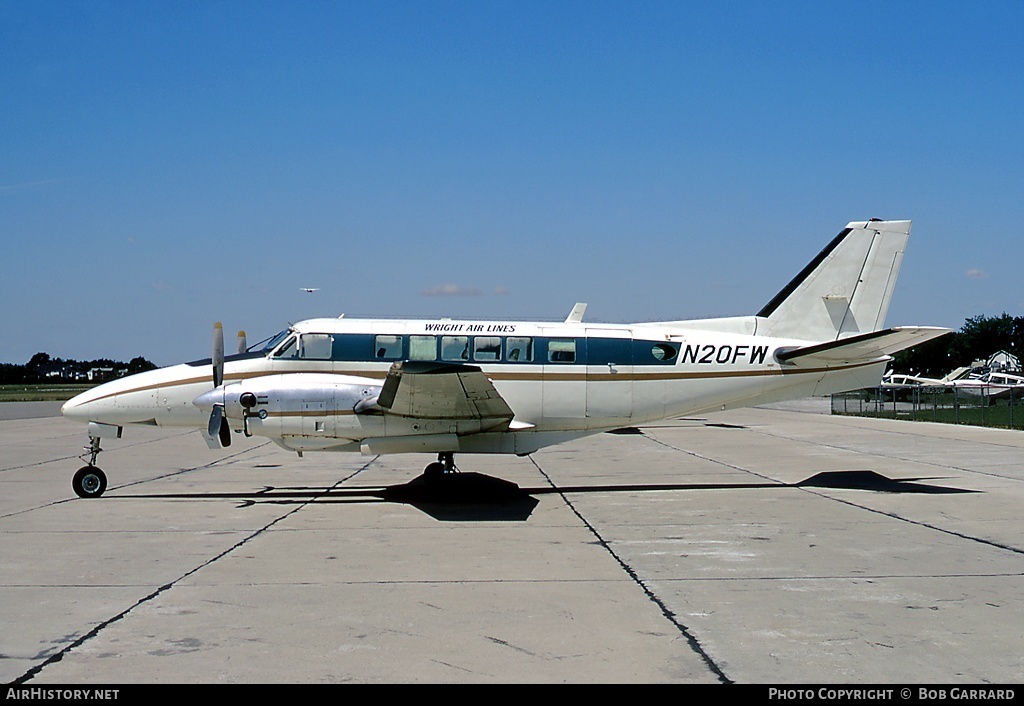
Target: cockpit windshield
x,y
274,342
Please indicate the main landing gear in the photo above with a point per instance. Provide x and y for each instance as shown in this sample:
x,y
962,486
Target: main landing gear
x,y
445,464
90,481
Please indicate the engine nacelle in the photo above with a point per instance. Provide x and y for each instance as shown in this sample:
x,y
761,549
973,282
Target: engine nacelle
x,y
297,404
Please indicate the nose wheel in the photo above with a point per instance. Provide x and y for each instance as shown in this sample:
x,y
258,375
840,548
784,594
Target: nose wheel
x,y
89,482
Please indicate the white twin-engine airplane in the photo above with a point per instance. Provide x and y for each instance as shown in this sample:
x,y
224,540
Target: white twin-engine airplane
x,y
444,386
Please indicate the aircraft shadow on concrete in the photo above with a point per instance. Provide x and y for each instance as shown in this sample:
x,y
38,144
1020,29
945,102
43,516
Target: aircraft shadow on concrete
x,y
468,497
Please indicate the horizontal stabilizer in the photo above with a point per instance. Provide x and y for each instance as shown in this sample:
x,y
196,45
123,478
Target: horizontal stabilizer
x,y
862,348
441,391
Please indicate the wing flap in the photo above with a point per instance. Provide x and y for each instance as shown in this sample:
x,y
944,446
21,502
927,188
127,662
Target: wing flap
x,y
859,349
442,391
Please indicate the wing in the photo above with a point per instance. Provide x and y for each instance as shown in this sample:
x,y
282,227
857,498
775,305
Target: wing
x,y
443,391
863,348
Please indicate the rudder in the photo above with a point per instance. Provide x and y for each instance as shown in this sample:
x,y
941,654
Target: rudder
x,y
845,290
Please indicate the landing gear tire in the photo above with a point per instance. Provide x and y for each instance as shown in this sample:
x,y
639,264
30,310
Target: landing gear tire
x,y
89,482
444,465
434,472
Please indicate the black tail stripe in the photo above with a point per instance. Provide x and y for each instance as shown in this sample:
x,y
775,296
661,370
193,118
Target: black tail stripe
x,y
777,300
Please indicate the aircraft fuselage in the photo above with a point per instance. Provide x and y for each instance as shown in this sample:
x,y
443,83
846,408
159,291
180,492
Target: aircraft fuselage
x,y
315,387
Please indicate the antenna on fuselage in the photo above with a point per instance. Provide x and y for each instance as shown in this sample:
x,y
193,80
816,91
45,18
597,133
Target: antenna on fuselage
x,y
576,315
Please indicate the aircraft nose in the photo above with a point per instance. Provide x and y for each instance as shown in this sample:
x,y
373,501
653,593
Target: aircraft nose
x,y
77,408
95,405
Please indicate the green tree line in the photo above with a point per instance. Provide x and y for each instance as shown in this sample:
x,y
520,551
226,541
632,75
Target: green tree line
x,y
979,338
42,368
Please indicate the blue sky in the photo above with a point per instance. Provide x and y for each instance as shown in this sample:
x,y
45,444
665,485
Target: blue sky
x,y
165,165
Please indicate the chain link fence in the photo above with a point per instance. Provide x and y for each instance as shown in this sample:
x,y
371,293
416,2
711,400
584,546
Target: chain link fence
x,y
981,406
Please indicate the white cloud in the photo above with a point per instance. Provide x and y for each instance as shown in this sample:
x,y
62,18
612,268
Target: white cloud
x,y
29,184
451,290
976,273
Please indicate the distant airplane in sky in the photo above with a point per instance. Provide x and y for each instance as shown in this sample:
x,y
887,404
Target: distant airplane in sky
x,y
310,289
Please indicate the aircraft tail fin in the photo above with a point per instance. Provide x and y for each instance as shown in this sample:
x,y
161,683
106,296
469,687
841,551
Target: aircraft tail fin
x,y
844,291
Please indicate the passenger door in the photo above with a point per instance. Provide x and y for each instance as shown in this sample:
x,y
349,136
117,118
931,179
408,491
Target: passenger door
x,y
565,378
609,373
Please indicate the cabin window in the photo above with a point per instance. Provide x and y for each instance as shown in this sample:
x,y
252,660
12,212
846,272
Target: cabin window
x,y
387,347
519,349
486,348
455,348
562,350
664,352
316,346
422,347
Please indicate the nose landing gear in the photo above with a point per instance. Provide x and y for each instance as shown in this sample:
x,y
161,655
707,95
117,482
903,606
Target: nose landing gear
x,y
90,481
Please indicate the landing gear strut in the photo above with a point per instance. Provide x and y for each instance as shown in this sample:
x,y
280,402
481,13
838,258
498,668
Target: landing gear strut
x,y
90,481
445,464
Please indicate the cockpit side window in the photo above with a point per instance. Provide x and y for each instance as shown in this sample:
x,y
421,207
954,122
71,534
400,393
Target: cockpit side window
x,y
316,346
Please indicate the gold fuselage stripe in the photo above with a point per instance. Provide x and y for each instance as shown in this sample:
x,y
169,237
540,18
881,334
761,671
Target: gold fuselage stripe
x,y
547,376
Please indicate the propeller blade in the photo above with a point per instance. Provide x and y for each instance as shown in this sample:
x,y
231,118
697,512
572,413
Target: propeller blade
x,y
241,342
218,433
225,433
218,354
216,417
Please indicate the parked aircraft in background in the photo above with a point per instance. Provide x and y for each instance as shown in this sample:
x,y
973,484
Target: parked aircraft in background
x,y
898,380
992,385
442,386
